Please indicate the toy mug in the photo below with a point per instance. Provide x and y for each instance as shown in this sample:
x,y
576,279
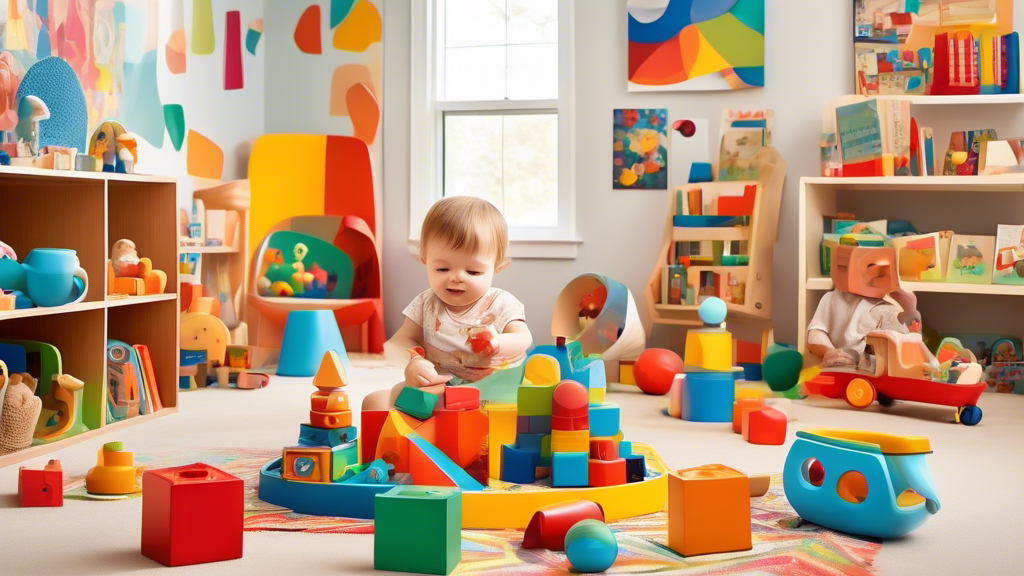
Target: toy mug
x,y
53,277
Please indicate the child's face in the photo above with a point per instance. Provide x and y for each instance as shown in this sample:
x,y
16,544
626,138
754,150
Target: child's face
x,y
458,277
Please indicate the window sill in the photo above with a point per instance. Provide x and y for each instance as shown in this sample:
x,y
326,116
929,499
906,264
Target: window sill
x,y
552,249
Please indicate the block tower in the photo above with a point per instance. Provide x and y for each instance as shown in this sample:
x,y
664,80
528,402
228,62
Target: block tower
x,y
705,393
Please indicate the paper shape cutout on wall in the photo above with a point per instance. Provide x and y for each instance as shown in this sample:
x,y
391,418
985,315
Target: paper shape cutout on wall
x,y
11,73
252,36
339,10
344,77
174,117
205,158
143,112
54,82
364,111
695,44
202,27
689,145
175,52
307,30
134,31
640,148
43,43
233,77
359,29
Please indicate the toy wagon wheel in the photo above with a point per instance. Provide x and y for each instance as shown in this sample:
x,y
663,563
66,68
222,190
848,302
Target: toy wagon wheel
x,y
969,415
885,400
860,393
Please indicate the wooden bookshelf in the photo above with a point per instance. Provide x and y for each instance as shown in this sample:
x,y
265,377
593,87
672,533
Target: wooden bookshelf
x,y
88,212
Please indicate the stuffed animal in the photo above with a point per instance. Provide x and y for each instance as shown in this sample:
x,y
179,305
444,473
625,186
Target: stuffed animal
x,y
19,412
125,258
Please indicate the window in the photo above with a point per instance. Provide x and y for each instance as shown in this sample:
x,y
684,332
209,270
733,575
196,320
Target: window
x,y
491,115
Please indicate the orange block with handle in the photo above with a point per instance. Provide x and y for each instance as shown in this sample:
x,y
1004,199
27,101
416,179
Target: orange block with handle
x,y
742,405
708,510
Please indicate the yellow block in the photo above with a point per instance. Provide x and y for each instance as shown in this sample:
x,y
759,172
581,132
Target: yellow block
x,y
570,441
501,429
749,392
596,395
626,374
542,369
708,348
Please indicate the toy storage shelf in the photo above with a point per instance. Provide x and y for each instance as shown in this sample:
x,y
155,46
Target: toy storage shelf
x,y
881,197
209,249
727,234
957,99
88,212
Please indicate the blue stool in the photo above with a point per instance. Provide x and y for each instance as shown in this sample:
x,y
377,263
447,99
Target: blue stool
x,y
308,335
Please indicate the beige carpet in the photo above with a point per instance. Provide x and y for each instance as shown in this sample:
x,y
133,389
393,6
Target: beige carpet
x,y
978,530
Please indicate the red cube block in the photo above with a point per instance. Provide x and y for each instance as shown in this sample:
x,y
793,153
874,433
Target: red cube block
x,y
603,449
41,487
764,426
191,514
461,398
607,472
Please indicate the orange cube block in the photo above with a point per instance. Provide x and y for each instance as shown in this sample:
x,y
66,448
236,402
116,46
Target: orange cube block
x,y
708,510
741,405
764,426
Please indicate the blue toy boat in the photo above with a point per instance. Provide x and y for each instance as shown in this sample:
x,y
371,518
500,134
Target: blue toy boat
x,y
860,482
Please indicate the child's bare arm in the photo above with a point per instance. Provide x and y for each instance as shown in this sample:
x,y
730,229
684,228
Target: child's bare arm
x,y
396,349
515,340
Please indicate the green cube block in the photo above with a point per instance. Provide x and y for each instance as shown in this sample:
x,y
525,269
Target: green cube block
x,y
416,402
535,400
417,529
343,456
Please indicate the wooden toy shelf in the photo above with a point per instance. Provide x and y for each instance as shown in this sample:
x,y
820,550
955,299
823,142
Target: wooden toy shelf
x,y
993,199
760,236
88,212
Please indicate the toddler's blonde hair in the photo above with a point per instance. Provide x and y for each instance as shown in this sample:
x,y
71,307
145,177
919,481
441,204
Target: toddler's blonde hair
x,y
466,223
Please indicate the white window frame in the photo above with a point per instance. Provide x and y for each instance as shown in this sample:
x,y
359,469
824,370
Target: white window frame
x,y
426,148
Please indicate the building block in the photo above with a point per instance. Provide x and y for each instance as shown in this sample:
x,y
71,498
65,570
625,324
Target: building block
x,y
461,398
461,434
43,487
569,469
310,435
522,424
530,442
307,464
545,451
418,529
636,468
417,403
535,400
549,524
566,423
428,430
518,465
341,419
191,515
370,422
501,429
708,348
748,352
625,448
740,406
336,401
540,424
603,449
764,426
570,441
430,467
604,419
626,372
569,400
393,438
700,172
708,510
606,472
542,370
597,395
707,396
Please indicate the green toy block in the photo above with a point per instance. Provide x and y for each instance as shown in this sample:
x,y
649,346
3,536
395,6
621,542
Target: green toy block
x,y
545,451
418,529
416,402
535,400
781,368
343,456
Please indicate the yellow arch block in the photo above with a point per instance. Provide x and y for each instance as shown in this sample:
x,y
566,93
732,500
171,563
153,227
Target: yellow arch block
x,y
542,369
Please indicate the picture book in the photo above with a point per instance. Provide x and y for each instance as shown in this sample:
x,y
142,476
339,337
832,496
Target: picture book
x,y
970,259
918,257
736,159
1009,255
860,138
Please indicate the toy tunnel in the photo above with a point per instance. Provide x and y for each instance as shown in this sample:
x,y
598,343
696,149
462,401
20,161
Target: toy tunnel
x,y
600,314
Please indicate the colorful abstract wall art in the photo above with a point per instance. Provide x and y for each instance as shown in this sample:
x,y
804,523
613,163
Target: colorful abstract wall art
x,y
695,44
640,149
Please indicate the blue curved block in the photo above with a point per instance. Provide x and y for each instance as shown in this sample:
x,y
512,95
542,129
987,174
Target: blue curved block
x,y
518,466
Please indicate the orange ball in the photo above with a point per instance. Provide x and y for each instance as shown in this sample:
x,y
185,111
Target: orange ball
x,y
655,369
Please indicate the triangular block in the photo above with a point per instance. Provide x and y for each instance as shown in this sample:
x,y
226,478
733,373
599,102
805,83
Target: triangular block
x,y
429,466
331,373
393,438
428,430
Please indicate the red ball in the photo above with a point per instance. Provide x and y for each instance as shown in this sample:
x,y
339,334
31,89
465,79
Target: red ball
x,y
655,369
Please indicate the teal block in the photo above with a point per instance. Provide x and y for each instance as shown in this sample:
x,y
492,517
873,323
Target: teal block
x,y
454,472
590,373
310,435
625,448
518,466
535,400
417,529
530,442
416,402
569,469
342,457
604,419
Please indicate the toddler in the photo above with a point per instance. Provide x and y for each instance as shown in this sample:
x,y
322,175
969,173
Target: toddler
x,y
462,326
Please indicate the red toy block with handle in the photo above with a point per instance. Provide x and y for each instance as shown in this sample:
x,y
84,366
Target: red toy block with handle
x,y
550,523
41,487
603,449
191,515
461,398
764,426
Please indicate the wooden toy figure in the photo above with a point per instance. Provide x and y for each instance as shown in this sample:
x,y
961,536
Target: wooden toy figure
x,y
862,278
106,144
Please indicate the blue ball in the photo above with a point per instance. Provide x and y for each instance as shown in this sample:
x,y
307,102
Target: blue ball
x,y
591,546
712,311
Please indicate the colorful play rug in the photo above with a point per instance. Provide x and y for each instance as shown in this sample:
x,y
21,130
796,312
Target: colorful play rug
x,y
781,546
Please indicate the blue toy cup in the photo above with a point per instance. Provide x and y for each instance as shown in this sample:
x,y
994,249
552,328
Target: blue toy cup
x,y
53,277
708,396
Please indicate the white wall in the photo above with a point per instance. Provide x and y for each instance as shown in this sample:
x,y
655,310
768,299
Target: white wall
x,y
809,59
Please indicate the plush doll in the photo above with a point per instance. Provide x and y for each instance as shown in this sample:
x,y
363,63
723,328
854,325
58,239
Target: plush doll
x,y
125,259
19,411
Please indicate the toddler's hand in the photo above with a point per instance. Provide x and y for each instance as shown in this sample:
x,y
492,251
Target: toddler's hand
x,y
421,373
840,357
483,341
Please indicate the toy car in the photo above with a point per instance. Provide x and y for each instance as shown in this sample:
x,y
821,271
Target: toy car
x,y
900,367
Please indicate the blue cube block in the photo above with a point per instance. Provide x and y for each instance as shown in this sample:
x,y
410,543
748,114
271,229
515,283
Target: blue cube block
x,y
569,469
518,466
530,442
604,419
625,449
310,435
540,424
